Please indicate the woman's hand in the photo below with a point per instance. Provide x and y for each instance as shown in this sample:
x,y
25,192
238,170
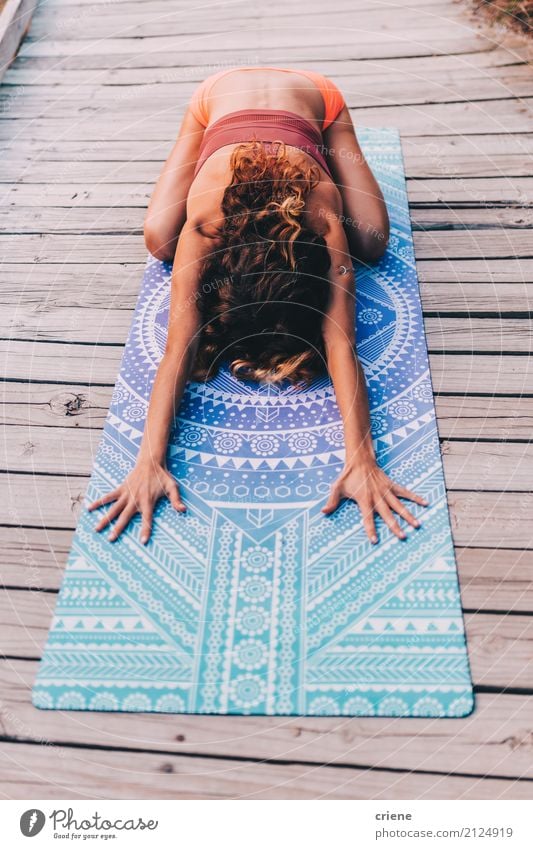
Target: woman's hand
x,y
140,492
374,491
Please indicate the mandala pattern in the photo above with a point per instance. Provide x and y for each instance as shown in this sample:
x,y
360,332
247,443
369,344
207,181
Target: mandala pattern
x,y
253,601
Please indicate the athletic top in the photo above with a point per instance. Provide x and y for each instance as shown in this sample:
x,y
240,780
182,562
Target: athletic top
x,y
332,97
266,125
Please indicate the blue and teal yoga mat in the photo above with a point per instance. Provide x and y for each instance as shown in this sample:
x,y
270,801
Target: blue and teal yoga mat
x,y
254,601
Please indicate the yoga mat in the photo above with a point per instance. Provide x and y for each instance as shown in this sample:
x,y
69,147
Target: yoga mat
x,y
254,601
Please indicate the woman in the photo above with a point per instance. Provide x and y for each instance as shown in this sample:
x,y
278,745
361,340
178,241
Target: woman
x,y
261,204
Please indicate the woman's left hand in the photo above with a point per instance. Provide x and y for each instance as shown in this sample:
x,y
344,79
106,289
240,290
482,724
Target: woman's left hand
x,y
374,492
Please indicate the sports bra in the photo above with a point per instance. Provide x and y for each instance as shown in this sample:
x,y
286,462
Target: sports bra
x,y
266,125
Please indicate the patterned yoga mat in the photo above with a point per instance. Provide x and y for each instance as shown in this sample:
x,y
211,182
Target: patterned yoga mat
x,y
254,601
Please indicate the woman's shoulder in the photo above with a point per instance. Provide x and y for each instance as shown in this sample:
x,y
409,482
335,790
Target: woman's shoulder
x,y
323,205
204,206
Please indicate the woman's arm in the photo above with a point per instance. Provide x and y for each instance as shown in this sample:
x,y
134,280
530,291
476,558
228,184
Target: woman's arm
x,y
361,479
167,210
365,217
150,480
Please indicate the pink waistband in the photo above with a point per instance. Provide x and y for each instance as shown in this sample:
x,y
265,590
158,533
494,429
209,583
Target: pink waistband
x,y
267,125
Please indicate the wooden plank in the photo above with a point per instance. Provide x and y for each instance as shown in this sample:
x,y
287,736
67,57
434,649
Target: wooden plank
x,y
477,297
60,450
480,334
466,272
56,501
50,405
75,364
484,418
504,191
479,519
442,281
495,579
33,558
471,191
59,248
51,323
85,69
79,219
392,83
481,156
464,244
180,21
72,286
79,364
75,195
197,64
32,405
28,615
371,90
114,219
159,120
308,39
51,248
89,166
53,771
492,466
471,219
499,645
423,157
493,741
277,5
487,519
137,20
109,325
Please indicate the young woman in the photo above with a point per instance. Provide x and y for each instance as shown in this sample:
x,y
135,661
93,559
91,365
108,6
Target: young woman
x,y
261,205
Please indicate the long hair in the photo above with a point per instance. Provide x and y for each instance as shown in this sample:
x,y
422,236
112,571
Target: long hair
x,y
264,287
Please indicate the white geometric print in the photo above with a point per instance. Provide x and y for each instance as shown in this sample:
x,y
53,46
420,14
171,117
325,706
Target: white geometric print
x,y
253,601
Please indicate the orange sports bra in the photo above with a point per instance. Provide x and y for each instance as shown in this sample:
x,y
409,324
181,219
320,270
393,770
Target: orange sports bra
x,y
268,126
332,97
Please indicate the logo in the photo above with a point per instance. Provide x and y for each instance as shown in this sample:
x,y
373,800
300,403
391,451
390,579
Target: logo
x,y
32,822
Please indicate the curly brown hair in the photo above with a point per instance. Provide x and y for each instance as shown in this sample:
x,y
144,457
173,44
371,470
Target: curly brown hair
x,y
264,287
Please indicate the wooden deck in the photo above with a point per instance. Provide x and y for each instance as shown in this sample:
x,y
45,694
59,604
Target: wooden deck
x,y
88,112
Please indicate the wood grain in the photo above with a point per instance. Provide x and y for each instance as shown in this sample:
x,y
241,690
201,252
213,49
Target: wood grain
x,y
504,720
59,772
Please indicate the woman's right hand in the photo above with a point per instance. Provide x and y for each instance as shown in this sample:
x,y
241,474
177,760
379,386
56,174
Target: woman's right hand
x,y
140,492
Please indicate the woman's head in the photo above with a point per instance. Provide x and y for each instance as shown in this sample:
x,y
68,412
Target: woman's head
x,y
264,288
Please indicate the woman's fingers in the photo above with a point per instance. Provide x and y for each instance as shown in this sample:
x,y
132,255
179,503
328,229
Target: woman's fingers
x,y
105,499
402,510
174,497
146,525
111,514
411,496
367,512
334,499
387,515
126,515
